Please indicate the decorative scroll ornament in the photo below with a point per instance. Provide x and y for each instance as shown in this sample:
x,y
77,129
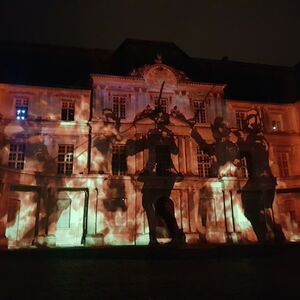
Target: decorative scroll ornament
x,y
157,73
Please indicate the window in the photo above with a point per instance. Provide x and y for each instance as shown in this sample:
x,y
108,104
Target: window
x,y
163,160
21,108
16,156
242,170
282,160
163,103
119,160
276,122
68,110
240,119
119,106
65,159
276,125
203,161
200,111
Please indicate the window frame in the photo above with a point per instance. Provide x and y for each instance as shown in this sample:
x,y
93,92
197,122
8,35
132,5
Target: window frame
x,y
276,122
203,163
119,165
16,163
164,103
240,123
283,164
21,108
65,161
68,110
242,169
119,106
200,110
165,97
276,125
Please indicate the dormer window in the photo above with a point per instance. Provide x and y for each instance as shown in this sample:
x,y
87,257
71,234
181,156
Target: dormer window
x,y
21,108
119,160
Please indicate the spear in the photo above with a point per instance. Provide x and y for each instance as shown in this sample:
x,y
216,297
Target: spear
x,y
159,97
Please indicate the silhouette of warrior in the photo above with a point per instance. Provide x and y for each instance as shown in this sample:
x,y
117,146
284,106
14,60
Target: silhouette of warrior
x,y
224,154
223,151
159,174
159,177
259,191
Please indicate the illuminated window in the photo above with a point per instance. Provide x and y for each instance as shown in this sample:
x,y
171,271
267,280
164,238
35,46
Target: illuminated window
x,y
65,159
240,119
163,160
200,111
242,170
163,103
203,161
276,122
119,160
276,125
282,160
16,156
119,106
21,108
68,110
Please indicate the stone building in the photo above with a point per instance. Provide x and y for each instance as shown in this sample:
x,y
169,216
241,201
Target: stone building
x,y
71,124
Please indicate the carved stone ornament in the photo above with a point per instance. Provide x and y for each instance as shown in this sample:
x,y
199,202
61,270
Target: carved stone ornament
x,y
155,74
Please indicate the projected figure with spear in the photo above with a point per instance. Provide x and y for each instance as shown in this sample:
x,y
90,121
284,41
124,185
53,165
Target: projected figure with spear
x,y
159,174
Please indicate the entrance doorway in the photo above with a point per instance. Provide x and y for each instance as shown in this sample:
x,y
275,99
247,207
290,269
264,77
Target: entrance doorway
x,y
70,222
21,218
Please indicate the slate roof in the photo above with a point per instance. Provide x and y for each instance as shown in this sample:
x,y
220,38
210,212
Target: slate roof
x,y
45,65
59,66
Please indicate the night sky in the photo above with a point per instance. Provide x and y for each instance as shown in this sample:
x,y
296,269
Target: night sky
x,y
259,31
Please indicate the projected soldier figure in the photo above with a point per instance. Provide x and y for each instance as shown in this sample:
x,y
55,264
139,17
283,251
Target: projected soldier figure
x,y
224,156
159,174
223,152
259,191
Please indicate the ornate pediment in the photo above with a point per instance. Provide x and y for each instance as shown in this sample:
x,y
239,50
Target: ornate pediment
x,y
155,74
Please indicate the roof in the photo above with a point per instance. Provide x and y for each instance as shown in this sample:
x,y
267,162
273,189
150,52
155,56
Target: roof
x,y
45,65
60,66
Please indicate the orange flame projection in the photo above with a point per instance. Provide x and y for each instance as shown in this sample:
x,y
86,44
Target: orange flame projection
x,y
94,207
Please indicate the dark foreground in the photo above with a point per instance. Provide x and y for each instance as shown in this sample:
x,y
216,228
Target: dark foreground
x,y
220,272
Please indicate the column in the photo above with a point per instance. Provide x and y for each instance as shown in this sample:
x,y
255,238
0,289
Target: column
x,y
188,155
182,154
175,158
42,215
139,157
51,211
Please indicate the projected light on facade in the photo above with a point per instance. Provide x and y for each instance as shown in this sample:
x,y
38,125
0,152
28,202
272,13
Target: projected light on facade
x,y
148,158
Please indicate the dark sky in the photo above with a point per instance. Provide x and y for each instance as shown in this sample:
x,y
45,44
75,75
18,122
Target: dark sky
x,y
260,31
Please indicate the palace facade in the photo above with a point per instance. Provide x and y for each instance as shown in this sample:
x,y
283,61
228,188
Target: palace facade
x,y
71,163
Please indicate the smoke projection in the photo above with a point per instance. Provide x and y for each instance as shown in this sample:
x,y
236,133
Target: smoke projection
x,y
156,174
